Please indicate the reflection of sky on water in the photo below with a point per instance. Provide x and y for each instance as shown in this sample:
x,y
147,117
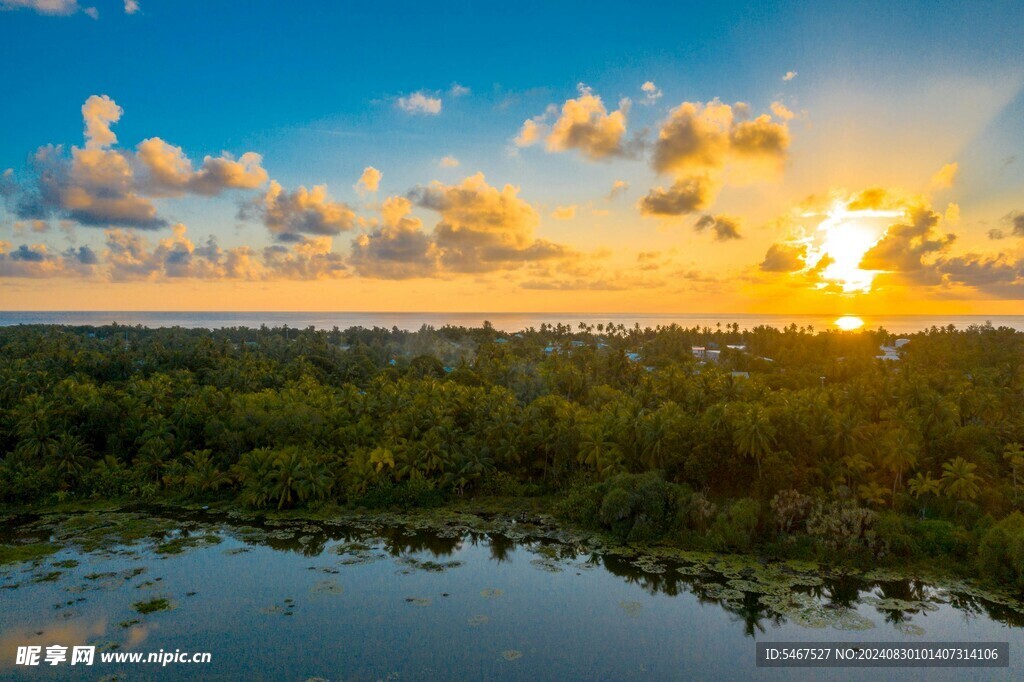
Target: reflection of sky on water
x,y
264,614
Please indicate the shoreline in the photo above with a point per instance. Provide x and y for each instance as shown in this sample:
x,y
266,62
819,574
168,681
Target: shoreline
x,y
521,520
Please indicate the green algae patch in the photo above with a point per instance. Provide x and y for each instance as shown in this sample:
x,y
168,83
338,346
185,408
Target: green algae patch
x,y
181,544
50,577
153,605
16,554
807,611
511,654
327,587
547,564
412,564
96,531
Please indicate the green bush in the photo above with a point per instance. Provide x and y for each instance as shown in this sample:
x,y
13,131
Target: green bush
x,y
632,506
415,492
1001,553
736,527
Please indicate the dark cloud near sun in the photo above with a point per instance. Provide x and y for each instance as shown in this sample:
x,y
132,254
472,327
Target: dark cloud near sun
x,y
784,258
724,227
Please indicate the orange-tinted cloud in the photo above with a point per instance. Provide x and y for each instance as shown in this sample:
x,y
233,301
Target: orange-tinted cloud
x,y
585,125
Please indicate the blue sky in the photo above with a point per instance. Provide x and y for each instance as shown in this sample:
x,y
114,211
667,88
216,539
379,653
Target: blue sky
x,y
315,92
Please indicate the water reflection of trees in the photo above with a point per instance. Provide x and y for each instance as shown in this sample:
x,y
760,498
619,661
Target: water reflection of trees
x,y
834,591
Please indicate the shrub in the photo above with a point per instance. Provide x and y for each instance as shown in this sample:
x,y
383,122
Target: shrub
x,y
842,527
414,492
632,506
1001,554
736,526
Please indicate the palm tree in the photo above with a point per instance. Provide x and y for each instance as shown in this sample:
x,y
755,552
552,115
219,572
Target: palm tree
x,y
70,458
922,485
899,453
255,473
35,432
203,475
155,445
754,435
959,480
288,477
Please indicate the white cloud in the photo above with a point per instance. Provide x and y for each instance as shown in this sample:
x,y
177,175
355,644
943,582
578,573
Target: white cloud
x,y
790,75
420,103
651,93
449,162
369,181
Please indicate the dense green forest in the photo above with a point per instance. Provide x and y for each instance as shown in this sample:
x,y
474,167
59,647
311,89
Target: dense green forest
x,y
788,441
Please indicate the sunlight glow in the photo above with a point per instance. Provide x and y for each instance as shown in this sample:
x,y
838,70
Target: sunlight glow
x,y
843,238
849,323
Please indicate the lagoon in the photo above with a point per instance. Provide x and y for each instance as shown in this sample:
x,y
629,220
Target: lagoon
x,y
456,597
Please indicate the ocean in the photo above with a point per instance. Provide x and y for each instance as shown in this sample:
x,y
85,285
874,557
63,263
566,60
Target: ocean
x,y
509,322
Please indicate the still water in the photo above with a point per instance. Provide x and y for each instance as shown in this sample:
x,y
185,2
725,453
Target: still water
x,y
294,600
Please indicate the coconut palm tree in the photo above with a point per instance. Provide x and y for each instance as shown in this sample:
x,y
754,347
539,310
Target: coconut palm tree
x,y
959,480
754,434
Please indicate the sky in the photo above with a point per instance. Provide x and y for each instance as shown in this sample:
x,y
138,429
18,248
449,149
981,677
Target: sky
x,y
788,157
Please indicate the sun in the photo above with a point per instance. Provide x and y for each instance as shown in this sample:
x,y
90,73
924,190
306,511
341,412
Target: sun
x,y
839,245
848,323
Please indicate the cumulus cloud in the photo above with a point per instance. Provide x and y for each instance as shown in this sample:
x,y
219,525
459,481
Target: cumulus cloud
x,y
790,75
99,112
95,187
310,258
37,261
651,93
458,90
169,171
915,249
128,257
564,212
724,227
369,181
420,103
945,176
291,215
99,184
483,228
705,145
532,132
397,249
448,162
690,194
705,137
784,258
131,6
906,245
998,275
585,125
